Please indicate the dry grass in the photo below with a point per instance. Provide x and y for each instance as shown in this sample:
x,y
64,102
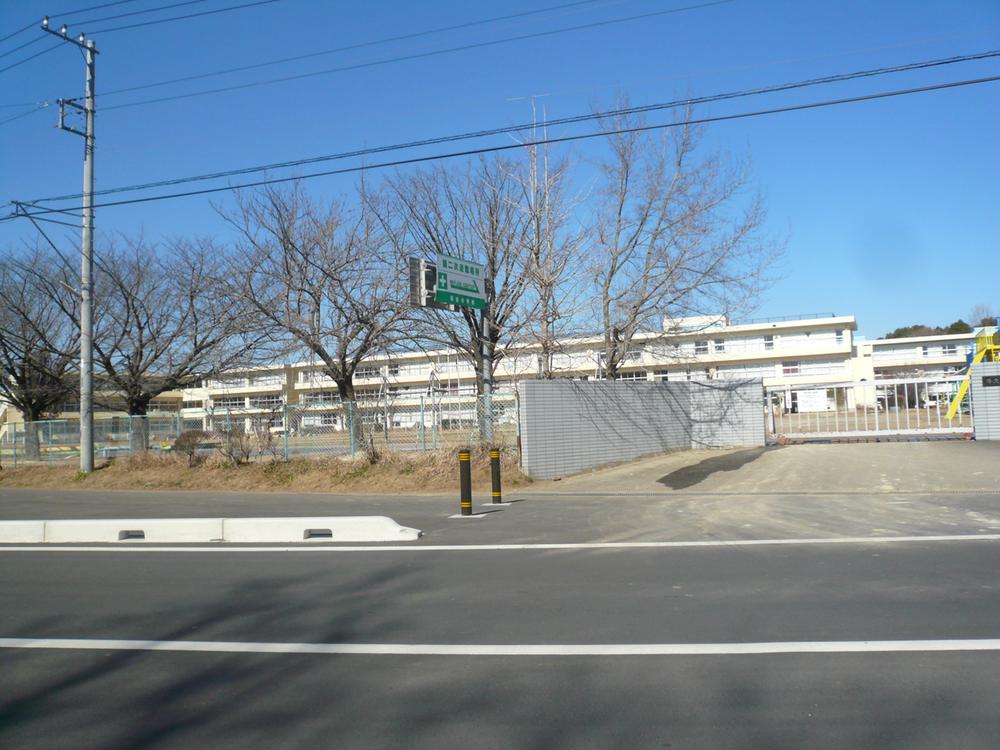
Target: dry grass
x,y
395,473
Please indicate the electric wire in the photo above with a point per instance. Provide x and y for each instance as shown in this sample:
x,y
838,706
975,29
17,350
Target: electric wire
x,y
350,47
33,24
528,144
19,31
19,115
30,57
570,120
93,7
22,46
415,56
181,18
131,13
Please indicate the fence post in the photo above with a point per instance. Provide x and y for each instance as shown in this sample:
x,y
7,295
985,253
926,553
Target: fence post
x,y
423,427
15,446
286,427
495,472
180,424
465,481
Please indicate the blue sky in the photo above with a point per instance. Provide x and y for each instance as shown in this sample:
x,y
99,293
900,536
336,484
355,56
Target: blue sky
x,y
889,208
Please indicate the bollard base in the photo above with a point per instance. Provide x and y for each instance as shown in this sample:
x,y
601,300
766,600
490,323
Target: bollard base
x,y
474,516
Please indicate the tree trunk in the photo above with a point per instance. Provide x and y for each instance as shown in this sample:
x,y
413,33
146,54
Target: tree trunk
x,y
353,414
32,444
138,437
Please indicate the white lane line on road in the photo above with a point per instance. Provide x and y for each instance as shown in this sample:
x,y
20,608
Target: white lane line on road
x,y
442,649
140,547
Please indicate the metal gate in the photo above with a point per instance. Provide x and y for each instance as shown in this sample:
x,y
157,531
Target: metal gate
x,y
866,409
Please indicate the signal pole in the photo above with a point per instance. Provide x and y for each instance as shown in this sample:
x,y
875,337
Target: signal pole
x,y
87,244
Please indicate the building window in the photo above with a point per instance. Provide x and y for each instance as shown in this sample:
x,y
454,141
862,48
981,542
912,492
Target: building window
x,y
271,401
926,351
768,342
950,350
661,374
839,334
632,376
229,403
228,383
320,397
269,379
366,372
701,347
192,404
791,368
720,345
393,369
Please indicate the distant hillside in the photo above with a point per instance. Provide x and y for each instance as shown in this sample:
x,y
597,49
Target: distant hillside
x,y
959,326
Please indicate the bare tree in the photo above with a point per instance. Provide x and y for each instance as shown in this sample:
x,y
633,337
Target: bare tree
x,y
473,214
552,261
163,323
324,277
38,342
982,315
672,235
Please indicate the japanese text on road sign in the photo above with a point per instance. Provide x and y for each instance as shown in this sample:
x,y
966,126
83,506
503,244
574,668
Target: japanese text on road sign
x,y
460,282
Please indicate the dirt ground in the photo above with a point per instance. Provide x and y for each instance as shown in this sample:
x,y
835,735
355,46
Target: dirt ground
x,y
416,473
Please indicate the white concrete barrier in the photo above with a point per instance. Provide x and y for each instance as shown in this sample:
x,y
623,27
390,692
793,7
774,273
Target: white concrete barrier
x,y
22,532
156,530
200,530
318,529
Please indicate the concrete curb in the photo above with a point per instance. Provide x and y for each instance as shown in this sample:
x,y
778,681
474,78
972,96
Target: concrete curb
x,y
200,530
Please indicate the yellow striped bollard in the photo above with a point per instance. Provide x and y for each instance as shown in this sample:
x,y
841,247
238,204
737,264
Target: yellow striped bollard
x,y
495,471
465,481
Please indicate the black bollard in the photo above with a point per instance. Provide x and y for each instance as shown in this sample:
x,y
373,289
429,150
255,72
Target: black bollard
x,y
465,481
495,470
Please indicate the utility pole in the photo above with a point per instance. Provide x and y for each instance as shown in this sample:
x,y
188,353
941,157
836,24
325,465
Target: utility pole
x,y
486,354
87,244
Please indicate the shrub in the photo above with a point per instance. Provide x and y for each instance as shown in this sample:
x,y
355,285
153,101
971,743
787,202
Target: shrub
x,y
188,444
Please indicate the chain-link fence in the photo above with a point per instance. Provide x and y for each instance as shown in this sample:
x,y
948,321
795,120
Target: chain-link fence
x,y
288,431
54,440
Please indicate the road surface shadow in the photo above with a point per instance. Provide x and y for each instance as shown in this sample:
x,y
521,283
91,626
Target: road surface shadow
x,y
688,476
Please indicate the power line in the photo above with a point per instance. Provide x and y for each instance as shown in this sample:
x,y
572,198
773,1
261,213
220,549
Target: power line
x,y
528,144
549,123
20,47
41,106
416,56
134,12
351,47
30,58
181,18
19,31
94,7
34,24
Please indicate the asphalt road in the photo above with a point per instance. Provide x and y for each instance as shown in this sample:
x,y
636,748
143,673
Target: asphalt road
x,y
102,697
536,517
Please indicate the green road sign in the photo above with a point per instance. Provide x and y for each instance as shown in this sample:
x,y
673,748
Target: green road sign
x,y
460,282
